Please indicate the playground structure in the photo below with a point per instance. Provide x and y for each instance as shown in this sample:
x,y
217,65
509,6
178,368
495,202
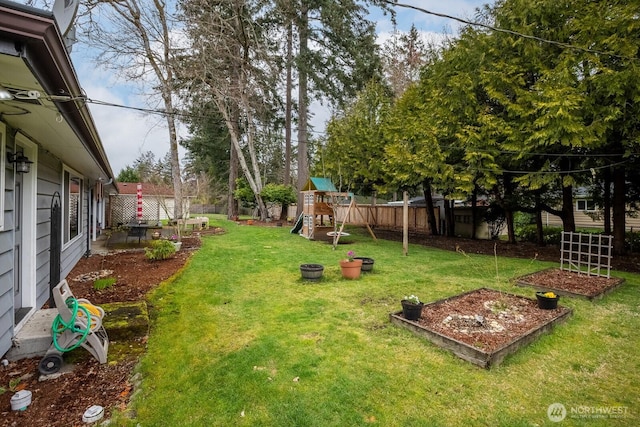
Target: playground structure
x,y
318,218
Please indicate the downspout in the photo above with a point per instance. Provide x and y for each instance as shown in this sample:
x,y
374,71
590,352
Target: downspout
x,y
87,254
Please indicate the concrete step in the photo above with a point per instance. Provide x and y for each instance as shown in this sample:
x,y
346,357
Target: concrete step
x,y
122,321
34,339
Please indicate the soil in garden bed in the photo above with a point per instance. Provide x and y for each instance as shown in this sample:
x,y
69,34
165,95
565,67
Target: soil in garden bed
x,y
570,283
486,319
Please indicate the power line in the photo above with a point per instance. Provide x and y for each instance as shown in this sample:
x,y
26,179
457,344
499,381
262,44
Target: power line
x,y
512,32
570,171
188,115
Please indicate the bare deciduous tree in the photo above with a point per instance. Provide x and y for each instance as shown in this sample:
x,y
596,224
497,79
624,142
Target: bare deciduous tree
x,y
138,39
231,63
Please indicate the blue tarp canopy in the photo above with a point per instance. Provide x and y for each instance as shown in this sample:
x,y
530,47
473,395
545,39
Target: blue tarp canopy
x,y
320,184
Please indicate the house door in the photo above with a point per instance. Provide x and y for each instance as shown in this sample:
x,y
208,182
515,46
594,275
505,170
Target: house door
x,y
24,273
18,258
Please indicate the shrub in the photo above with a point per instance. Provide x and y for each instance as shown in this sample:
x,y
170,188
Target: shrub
x,y
632,241
522,219
550,235
104,283
159,250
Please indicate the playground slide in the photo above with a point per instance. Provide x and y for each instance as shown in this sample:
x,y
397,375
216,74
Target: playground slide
x,y
298,225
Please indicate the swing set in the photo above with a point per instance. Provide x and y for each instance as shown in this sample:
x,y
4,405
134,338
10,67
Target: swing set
x,y
318,220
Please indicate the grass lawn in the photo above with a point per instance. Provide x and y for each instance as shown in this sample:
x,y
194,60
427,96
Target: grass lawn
x,y
238,339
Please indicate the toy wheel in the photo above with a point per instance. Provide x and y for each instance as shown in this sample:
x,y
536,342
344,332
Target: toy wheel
x,y
50,364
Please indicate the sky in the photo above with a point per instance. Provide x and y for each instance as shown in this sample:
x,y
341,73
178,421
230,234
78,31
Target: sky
x,y
126,134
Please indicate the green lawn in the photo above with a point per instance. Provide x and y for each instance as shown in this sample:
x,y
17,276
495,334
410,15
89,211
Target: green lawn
x,y
239,340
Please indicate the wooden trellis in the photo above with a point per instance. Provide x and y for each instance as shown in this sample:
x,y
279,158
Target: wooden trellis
x,y
586,253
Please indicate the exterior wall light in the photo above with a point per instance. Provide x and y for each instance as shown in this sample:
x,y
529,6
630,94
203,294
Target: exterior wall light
x,y
22,163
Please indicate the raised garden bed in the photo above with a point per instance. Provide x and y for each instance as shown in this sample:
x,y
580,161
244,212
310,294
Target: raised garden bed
x,y
569,283
483,326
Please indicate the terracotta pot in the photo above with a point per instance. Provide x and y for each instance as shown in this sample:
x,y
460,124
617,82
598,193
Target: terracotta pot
x,y
351,269
410,310
311,272
249,222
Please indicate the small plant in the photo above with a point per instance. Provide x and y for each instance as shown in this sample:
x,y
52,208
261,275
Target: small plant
x,y
159,250
13,385
350,256
104,283
412,299
549,295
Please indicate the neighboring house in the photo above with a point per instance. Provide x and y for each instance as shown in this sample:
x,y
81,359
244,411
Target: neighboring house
x,y
587,214
158,202
49,214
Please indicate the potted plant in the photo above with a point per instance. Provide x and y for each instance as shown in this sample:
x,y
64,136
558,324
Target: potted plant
x,y
367,264
175,239
547,300
411,307
351,266
311,272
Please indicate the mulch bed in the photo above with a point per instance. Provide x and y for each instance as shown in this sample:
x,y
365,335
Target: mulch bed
x,y
569,283
484,325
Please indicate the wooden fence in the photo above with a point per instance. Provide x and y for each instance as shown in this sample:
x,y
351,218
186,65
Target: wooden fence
x,y
381,216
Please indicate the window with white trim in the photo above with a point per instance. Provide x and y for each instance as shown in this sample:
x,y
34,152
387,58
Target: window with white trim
x,y
3,162
72,184
586,205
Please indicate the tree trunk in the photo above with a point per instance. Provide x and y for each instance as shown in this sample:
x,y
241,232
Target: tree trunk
x,y
511,229
619,211
303,163
539,225
176,176
428,199
286,179
449,218
507,206
474,211
568,221
232,203
606,197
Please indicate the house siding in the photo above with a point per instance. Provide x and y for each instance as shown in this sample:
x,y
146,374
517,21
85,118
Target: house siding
x,y
49,181
6,264
585,221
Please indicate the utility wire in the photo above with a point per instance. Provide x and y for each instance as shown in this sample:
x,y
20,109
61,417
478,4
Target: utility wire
x,y
187,115
514,33
571,171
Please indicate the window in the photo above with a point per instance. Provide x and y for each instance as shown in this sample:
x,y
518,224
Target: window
x,y
586,205
3,158
72,199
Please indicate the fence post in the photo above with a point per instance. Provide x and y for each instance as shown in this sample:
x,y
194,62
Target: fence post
x,y
405,224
